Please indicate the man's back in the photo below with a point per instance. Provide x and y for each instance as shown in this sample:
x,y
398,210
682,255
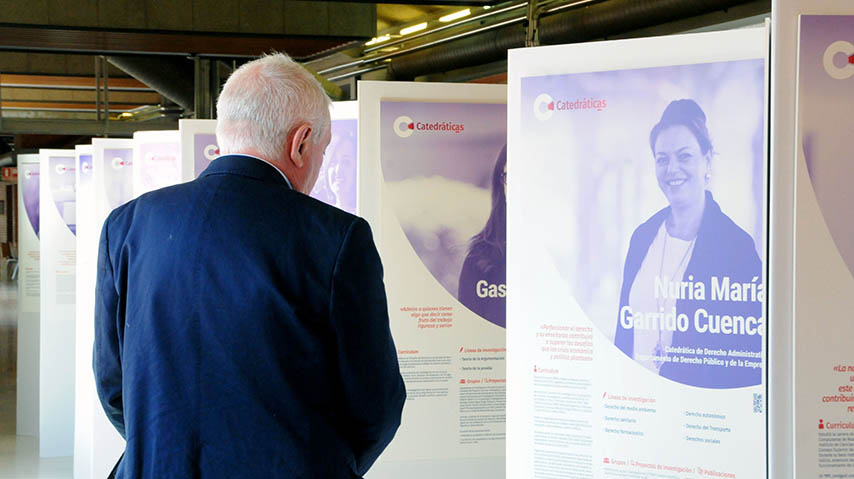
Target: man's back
x,y
255,340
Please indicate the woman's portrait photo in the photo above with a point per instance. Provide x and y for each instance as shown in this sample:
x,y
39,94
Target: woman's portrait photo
x,y
336,182
661,193
483,277
691,240
447,189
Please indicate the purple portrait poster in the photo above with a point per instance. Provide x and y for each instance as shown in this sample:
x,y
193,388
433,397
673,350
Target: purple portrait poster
x,y
205,150
444,166
29,179
118,176
62,189
664,185
432,159
638,196
336,183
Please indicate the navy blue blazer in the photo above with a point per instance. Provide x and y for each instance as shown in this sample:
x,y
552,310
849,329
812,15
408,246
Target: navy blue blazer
x,y
722,249
241,330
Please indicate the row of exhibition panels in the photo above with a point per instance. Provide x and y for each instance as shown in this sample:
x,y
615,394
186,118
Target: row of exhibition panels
x,y
541,361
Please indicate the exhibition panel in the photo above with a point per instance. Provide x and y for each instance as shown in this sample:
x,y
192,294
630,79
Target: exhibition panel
x,y
156,160
432,187
57,227
85,304
811,418
824,248
27,413
97,444
637,224
781,458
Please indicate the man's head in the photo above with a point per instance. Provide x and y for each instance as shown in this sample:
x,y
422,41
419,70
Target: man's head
x,y
274,109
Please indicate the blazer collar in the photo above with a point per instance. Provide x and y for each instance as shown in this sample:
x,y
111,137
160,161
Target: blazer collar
x,y
245,165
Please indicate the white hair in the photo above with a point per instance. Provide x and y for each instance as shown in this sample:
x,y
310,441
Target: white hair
x,y
264,100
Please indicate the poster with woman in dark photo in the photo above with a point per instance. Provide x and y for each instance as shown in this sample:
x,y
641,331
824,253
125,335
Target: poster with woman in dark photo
x,y
444,166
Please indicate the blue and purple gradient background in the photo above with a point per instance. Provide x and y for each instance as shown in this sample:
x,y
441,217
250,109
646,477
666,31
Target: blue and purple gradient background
x,y
825,108
29,178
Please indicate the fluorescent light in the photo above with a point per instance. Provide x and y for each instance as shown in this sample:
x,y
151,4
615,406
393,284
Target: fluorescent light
x,y
413,28
381,39
455,16
486,7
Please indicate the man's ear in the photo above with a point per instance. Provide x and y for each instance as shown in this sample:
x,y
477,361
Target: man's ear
x,y
298,144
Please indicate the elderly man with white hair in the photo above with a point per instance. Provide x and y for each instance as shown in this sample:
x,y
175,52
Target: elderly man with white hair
x,y
241,327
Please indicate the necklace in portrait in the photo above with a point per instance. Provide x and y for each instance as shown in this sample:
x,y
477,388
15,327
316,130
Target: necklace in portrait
x,y
658,352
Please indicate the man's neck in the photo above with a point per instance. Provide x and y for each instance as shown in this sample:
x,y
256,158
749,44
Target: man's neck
x,y
257,155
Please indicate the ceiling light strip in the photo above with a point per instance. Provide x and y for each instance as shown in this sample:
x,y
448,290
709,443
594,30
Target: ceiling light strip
x,y
482,16
414,28
420,47
455,16
366,61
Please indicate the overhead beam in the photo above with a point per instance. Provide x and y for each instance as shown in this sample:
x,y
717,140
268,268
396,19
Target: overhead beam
x,y
27,126
64,106
60,82
472,3
89,41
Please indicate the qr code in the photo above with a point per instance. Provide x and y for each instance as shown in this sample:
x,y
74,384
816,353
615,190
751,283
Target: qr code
x,y
757,403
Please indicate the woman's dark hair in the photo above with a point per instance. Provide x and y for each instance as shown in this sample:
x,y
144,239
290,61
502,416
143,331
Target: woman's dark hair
x,y
688,114
491,242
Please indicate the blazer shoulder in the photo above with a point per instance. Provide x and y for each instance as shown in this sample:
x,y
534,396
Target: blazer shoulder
x,y
121,215
739,242
328,215
646,231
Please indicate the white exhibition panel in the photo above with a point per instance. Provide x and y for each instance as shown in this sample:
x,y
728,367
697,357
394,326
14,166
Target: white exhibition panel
x,y
27,416
824,247
156,160
784,30
85,304
810,292
590,396
198,146
97,444
57,199
337,182
428,156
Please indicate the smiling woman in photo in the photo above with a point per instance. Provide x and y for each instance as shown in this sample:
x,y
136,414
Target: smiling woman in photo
x,y
691,241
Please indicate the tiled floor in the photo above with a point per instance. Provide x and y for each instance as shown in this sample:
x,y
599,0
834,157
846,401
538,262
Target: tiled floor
x,y
19,455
